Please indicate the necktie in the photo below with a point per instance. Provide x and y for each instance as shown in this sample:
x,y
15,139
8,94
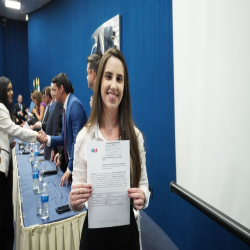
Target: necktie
x,y
64,141
21,108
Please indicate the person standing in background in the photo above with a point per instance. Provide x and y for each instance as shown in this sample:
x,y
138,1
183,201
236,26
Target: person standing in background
x,y
54,124
74,118
92,69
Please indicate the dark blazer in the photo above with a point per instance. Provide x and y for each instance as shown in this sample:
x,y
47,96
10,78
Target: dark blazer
x,y
17,109
75,119
54,121
45,118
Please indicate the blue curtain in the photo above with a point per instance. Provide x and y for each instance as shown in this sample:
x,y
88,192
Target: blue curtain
x,y
15,58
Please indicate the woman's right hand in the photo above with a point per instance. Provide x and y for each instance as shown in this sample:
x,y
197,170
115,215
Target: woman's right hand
x,y
79,194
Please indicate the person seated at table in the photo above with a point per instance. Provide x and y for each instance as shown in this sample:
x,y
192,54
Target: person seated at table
x,y
110,120
32,105
8,129
39,109
47,98
20,110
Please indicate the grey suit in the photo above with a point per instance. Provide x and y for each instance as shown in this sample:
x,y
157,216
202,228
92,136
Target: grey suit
x,y
52,125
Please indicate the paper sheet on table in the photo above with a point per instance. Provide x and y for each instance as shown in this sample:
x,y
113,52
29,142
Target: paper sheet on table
x,y
109,174
26,125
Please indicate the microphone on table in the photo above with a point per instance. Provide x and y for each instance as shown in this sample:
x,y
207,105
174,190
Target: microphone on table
x,y
44,173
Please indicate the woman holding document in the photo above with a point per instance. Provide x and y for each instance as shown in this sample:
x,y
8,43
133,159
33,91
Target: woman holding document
x,y
111,120
8,130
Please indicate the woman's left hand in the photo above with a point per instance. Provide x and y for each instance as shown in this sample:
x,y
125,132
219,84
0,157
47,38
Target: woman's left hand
x,y
138,197
13,144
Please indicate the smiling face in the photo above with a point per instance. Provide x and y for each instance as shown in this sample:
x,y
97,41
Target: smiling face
x,y
10,93
112,85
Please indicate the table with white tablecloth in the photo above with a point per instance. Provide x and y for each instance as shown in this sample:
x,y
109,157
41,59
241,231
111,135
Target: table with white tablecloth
x,y
59,231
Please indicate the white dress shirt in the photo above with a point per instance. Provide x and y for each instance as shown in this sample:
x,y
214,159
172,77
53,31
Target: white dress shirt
x,y
80,158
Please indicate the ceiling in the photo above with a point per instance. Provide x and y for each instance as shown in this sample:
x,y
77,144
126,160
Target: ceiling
x,y
27,6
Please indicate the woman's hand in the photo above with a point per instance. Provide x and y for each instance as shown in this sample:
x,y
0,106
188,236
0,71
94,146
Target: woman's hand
x,y
13,144
79,194
138,197
21,125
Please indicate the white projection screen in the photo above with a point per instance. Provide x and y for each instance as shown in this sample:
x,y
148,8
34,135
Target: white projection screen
x,y
211,40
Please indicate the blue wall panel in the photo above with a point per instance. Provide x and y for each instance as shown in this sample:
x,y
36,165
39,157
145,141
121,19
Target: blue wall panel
x,y
1,50
16,58
59,37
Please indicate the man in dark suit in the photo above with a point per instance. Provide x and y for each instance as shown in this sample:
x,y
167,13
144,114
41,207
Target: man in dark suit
x,y
92,69
20,110
53,123
74,118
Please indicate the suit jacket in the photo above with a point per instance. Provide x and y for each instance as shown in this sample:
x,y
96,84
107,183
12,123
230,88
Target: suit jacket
x,y
75,119
45,118
8,129
17,109
52,124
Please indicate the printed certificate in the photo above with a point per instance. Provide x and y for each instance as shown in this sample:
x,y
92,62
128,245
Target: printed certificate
x,y
108,172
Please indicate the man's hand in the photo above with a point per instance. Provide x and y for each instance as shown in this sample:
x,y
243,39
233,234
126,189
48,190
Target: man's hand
x,y
43,137
40,136
52,155
25,117
66,177
57,161
42,146
20,113
13,144
138,197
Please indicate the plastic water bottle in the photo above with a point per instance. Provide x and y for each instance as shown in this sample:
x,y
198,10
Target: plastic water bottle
x,y
32,156
44,202
26,147
36,150
32,160
35,177
40,183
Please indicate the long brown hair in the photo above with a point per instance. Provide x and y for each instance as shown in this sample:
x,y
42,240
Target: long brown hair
x,y
126,124
38,97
